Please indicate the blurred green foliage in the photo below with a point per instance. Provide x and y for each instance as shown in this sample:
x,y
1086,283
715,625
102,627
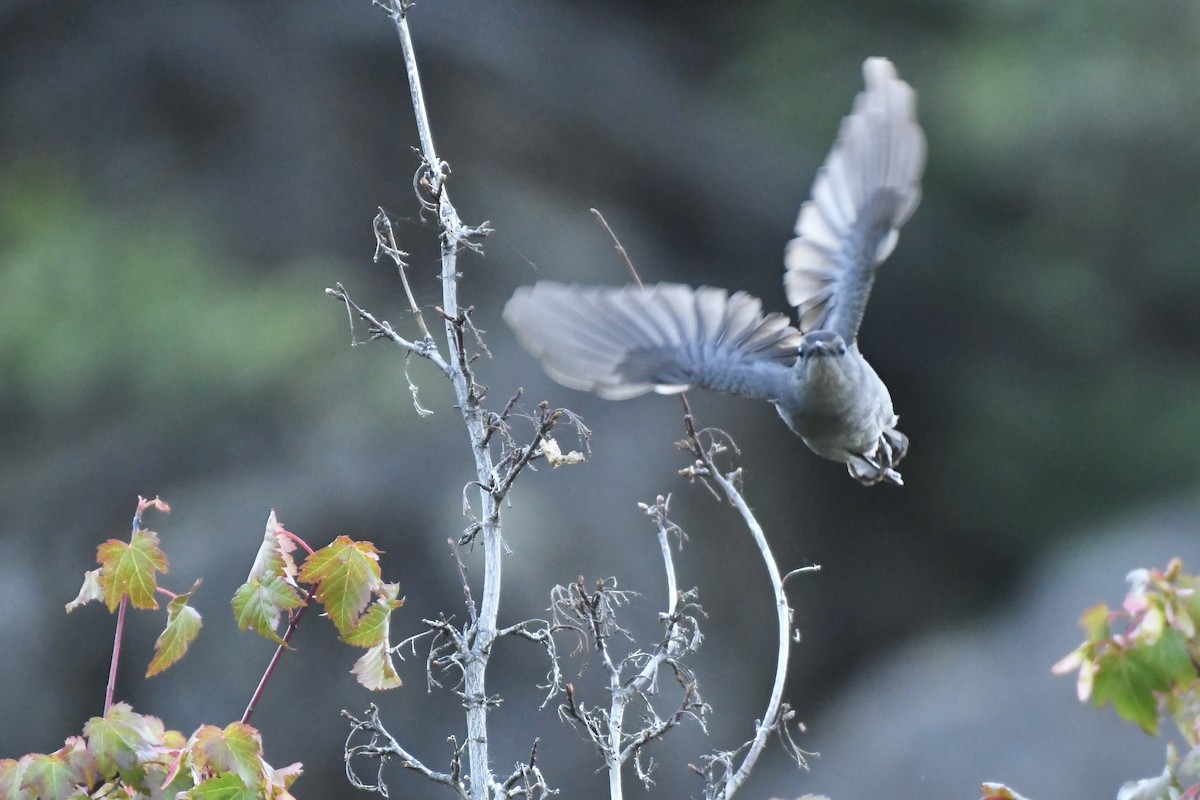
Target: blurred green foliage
x,y
98,306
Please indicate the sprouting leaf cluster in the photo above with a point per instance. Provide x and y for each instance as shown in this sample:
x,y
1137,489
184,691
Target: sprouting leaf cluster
x,y
1142,658
123,753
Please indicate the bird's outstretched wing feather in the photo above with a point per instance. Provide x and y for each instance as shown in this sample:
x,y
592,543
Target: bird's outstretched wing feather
x,y
621,342
867,188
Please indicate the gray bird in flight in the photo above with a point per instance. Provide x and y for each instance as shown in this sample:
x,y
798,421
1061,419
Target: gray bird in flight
x,y
620,342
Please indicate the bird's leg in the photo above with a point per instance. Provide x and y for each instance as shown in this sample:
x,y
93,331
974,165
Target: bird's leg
x,y
896,443
876,466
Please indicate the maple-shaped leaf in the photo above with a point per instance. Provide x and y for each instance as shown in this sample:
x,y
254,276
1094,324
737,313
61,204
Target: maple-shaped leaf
x,y
122,740
274,555
259,604
346,573
270,589
223,787
1129,686
91,590
67,773
127,569
48,778
1129,678
236,749
183,625
375,669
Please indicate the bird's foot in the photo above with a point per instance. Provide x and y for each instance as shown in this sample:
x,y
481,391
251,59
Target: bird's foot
x,y
877,465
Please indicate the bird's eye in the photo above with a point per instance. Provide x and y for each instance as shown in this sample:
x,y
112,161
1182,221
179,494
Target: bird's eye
x,y
842,350
802,354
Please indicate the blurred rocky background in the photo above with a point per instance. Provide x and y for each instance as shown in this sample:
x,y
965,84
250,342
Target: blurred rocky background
x,y
180,181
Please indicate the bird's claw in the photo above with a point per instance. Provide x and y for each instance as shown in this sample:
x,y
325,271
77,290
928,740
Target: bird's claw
x,y
877,465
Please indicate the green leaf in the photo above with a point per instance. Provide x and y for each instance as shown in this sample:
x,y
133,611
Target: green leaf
x,y
121,740
224,787
66,773
270,589
1094,622
346,573
237,749
183,626
1130,678
47,778
1169,658
1129,686
258,605
127,569
998,791
372,627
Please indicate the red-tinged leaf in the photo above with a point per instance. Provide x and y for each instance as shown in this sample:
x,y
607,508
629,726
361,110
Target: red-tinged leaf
x,y
167,779
1079,659
1071,661
998,791
66,773
157,504
121,740
183,626
274,557
259,604
12,772
1094,622
346,573
283,777
91,590
127,569
375,669
49,777
224,787
390,593
80,760
237,749
171,774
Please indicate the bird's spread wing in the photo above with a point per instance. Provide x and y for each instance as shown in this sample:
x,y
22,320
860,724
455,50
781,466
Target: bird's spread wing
x,y
625,341
867,188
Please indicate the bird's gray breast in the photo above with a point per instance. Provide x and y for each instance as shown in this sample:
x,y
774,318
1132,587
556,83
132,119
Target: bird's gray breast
x,y
838,405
